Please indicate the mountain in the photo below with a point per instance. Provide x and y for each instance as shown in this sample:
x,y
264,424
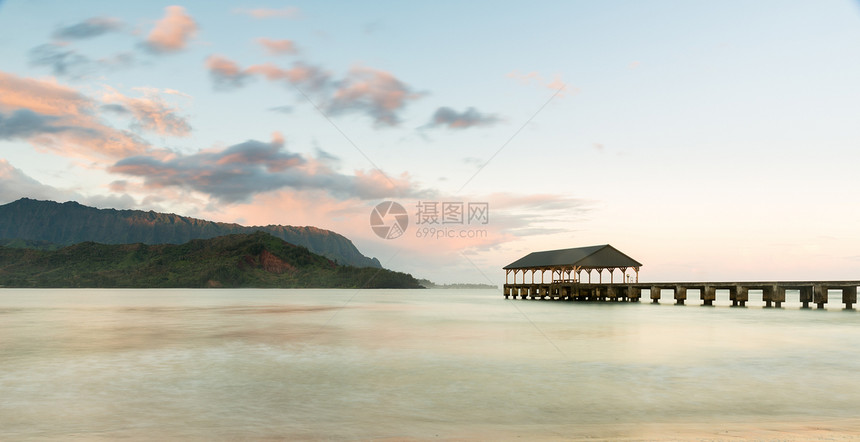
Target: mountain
x,y
72,223
239,260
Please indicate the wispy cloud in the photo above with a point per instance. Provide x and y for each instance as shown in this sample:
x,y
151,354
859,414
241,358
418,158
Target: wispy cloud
x,y
447,117
172,32
89,28
62,60
278,47
364,90
151,113
262,13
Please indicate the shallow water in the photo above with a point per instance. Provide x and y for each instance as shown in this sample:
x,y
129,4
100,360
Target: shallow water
x,y
348,364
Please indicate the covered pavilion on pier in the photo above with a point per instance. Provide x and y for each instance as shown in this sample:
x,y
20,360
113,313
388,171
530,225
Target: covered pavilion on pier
x,y
567,265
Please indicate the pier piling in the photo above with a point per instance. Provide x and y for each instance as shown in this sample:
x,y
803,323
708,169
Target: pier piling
x,y
773,293
849,297
655,295
680,294
819,295
708,295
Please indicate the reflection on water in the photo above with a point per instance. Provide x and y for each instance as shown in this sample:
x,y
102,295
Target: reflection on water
x,y
323,364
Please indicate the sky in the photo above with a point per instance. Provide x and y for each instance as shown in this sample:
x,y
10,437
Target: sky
x,y
707,140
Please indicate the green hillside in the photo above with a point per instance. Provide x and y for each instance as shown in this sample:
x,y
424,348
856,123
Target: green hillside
x,y
42,222
240,260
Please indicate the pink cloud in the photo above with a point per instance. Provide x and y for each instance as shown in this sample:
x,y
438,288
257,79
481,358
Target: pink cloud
x,y
151,113
61,119
299,74
173,31
42,96
278,47
376,92
228,74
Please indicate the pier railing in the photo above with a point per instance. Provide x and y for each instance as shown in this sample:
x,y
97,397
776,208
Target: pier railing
x,y
773,292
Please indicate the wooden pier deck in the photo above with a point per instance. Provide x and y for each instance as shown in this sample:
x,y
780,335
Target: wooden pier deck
x,y
773,292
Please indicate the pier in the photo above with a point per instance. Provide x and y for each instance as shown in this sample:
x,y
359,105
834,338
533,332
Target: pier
x,y
565,282
773,292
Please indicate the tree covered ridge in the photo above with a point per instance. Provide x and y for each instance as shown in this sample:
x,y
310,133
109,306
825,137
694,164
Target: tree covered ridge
x,y
238,260
71,223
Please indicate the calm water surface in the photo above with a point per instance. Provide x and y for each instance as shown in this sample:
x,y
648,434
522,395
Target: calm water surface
x,y
346,364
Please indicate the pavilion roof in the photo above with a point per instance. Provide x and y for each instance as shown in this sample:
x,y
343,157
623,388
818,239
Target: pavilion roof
x,y
594,257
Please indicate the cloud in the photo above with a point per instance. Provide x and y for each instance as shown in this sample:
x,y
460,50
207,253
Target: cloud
x,y
24,123
41,96
369,91
225,73
374,92
526,215
172,32
62,61
65,61
261,13
239,172
285,109
301,75
445,116
92,27
53,116
15,184
278,47
151,114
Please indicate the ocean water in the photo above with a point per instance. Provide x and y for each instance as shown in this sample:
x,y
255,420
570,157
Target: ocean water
x,y
418,364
